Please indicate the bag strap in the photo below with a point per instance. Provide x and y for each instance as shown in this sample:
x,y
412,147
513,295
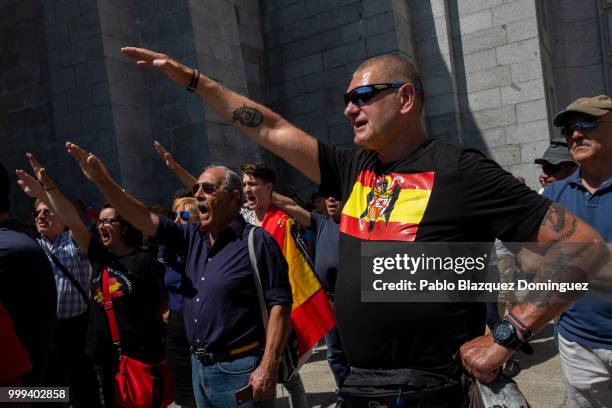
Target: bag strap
x,y
110,312
262,301
67,273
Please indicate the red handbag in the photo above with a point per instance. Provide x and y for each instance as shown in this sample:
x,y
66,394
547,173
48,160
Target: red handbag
x,y
137,385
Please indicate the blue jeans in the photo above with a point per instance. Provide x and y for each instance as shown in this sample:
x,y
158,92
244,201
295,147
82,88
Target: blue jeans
x,y
214,384
336,358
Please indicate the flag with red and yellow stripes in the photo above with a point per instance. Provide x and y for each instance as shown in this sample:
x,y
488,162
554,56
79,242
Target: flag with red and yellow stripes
x,y
386,207
312,316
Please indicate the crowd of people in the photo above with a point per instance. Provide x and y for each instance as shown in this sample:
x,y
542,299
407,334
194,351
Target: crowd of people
x,y
226,281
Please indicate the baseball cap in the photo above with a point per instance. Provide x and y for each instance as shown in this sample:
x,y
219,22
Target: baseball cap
x,y
556,153
595,106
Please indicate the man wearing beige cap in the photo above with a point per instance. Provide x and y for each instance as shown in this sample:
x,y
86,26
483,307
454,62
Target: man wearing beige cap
x,y
585,329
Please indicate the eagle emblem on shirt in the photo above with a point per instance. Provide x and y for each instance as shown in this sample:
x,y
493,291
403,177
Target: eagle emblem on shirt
x,y
381,199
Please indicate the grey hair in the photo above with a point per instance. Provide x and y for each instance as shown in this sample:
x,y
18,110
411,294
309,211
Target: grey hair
x,y
232,180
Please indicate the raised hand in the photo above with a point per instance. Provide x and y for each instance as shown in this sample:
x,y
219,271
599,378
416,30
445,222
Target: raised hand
x,y
176,71
40,173
91,166
165,155
29,184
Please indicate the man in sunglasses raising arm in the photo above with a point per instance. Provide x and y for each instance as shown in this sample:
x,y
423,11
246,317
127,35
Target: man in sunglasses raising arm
x,y
230,349
585,328
400,185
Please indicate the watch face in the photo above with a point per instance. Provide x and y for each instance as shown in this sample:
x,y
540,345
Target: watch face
x,y
502,331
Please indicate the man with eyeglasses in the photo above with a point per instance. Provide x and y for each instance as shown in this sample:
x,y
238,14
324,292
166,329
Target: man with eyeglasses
x,y
401,185
585,329
230,349
556,163
68,364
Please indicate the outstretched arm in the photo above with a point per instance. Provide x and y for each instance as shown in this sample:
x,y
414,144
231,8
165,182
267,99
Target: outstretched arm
x,y
186,178
575,253
45,189
289,206
131,209
258,122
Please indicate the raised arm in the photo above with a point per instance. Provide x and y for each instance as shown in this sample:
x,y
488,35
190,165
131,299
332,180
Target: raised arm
x,y
186,178
258,122
46,190
131,209
289,206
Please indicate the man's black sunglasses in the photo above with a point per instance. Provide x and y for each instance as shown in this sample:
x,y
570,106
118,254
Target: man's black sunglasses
x,y
585,124
362,94
207,187
555,168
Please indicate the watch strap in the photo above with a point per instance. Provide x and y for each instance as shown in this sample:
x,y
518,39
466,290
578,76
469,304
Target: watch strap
x,y
525,332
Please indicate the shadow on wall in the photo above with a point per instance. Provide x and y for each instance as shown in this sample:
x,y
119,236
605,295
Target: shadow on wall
x,y
440,59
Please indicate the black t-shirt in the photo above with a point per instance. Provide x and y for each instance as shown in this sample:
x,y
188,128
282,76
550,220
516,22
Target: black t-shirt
x,y
439,193
138,293
28,293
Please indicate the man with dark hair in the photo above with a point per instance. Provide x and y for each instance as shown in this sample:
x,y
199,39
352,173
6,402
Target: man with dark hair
x,y
258,183
401,185
28,288
556,163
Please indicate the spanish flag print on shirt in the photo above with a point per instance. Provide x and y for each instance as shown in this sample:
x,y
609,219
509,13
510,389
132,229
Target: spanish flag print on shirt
x,y
386,207
311,315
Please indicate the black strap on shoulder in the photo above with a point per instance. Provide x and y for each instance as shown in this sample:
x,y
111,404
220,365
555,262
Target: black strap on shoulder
x,y
66,272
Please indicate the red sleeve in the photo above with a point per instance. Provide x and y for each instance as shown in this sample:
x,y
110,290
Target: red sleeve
x,y
16,361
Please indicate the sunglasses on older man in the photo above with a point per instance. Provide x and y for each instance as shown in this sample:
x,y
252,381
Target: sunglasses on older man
x,y
585,125
207,187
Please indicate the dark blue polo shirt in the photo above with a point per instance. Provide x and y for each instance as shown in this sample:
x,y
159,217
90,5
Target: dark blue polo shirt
x,y
588,323
327,249
220,306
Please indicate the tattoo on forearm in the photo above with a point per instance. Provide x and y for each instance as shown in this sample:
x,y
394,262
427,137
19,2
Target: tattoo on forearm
x,y
555,219
247,116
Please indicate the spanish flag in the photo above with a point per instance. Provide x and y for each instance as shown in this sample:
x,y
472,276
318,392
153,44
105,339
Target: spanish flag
x,y
312,316
387,207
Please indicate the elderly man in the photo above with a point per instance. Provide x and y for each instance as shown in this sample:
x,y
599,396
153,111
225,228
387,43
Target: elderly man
x,y
221,310
556,163
68,364
585,329
400,185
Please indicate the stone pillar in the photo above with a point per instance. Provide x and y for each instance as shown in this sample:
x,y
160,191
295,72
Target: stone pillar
x,y
26,115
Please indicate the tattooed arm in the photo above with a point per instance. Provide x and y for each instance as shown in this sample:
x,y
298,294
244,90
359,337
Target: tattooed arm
x,y
574,252
262,125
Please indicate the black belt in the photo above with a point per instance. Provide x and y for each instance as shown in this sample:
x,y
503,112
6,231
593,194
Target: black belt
x,y
206,357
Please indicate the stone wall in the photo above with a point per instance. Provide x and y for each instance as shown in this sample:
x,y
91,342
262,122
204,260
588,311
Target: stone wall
x,y
495,72
26,111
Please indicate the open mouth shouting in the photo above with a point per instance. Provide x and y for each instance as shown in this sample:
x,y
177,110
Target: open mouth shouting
x,y
251,200
105,236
